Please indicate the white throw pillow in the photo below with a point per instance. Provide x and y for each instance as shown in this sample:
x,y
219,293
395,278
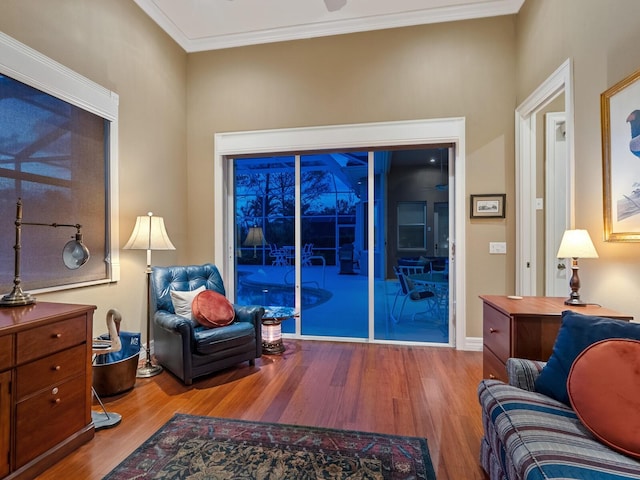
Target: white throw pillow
x,y
182,301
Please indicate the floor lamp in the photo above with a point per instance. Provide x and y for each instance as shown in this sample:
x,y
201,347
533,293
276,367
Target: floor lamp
x,y
254,238
149,234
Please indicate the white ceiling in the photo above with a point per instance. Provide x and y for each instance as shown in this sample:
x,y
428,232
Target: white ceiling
x,y
198,25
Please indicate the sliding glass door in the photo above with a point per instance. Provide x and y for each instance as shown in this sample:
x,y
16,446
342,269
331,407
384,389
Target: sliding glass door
x,y
329,233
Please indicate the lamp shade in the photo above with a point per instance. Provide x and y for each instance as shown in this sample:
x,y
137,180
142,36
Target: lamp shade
x,y
149,233
576,244
254,237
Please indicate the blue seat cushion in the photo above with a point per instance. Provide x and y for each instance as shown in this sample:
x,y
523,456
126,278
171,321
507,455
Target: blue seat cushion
x,y
422,294
213,340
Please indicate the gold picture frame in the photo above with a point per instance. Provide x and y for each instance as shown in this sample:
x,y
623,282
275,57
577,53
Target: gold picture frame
x,y
491,205
620,122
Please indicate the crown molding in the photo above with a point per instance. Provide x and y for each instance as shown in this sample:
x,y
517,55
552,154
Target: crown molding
x,y
489,8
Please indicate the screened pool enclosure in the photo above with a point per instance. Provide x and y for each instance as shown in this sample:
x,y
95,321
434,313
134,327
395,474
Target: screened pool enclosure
x,y
311,230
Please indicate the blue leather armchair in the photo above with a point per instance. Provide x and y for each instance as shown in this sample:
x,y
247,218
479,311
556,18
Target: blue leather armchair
x,y
184,347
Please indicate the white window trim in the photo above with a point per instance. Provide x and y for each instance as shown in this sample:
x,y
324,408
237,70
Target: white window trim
x,y
363,136
32,68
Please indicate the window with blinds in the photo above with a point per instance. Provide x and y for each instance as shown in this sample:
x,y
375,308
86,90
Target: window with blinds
x,y
55,155
412,225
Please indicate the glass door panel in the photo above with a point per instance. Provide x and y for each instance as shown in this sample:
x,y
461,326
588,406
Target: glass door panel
x,y
264,238
331,246
412,292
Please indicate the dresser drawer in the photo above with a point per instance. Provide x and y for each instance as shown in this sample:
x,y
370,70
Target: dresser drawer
x,y
35,376
42,341
492,367
6,352
46,419
497,332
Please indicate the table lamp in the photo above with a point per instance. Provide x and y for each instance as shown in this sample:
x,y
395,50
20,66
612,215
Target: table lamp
x,y
576,244
149,234
74,255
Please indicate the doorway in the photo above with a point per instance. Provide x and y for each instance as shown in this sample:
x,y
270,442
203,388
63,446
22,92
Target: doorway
x,y
556,273
528,135
334,138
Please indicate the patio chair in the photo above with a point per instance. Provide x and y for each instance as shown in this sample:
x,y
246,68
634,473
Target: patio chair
x,y
279,256
412,269
410,292
307,253
440,265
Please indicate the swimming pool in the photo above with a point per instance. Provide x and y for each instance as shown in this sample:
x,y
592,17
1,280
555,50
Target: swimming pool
x,y
254,292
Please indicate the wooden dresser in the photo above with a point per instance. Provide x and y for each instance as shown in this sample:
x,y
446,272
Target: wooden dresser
x,y
45,385
525,328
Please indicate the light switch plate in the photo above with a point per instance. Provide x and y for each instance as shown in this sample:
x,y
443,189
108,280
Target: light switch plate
x,y
499,248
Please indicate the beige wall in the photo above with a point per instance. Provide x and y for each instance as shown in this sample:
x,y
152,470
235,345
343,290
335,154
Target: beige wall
x,y
171,105
435,71
114,44
601,37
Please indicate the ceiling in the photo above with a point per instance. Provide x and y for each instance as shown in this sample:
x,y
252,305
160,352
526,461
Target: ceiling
x,y
199,25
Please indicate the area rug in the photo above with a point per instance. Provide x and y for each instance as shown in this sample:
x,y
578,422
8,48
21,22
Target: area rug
x,y
194,447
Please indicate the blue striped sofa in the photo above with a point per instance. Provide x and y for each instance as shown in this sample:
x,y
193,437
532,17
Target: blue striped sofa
x,y
528,436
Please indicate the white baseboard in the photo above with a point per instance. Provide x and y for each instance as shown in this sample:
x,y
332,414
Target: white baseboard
x,y
472,344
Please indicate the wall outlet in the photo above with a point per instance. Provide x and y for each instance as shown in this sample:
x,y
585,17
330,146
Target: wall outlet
x,y
499,248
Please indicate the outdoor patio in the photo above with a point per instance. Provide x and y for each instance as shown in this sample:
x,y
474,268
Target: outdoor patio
x,y
336,305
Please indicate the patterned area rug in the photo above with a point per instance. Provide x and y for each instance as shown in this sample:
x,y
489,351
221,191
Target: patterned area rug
x,y
192,447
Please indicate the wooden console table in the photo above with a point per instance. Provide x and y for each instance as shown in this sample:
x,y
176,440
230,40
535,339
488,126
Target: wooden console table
x,y
525,328
45,385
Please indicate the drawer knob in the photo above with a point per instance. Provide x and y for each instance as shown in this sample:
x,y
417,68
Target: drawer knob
x,y
56,401
492,376
493,330
56,368
57,335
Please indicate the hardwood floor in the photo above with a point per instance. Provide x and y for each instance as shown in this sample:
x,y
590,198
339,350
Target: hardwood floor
x,y
417,391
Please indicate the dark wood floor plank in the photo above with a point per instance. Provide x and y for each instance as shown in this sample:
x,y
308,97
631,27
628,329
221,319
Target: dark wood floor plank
x,y
428,392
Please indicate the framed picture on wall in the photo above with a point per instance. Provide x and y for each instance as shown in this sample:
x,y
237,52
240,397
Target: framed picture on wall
x,y
620,121
488,205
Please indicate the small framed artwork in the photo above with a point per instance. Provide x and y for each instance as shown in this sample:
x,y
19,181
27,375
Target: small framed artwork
x,y
488,205
620,121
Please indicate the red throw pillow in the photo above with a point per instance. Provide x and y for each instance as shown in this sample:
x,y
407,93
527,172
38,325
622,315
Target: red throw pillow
x,y
211,309
604,390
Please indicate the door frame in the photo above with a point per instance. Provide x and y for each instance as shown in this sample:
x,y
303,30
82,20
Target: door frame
x,y
556,279
363,136
525,117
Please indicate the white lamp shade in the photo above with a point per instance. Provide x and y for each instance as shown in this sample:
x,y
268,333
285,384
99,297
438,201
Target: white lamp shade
x,y
149,233
576,244
254,237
